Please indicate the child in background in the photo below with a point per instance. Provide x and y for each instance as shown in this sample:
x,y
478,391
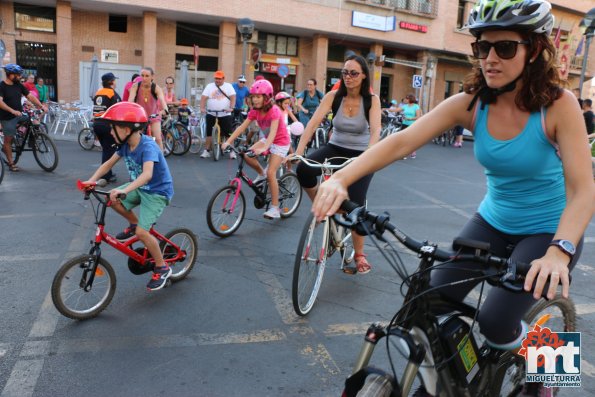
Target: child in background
x,y
184,112
274,137
283,100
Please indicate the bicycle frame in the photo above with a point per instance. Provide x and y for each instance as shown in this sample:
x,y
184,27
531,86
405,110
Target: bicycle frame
x,y
237,182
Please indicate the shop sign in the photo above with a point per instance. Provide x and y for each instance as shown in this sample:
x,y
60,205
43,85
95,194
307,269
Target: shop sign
x,y
413,26
109,56
268,67
374,22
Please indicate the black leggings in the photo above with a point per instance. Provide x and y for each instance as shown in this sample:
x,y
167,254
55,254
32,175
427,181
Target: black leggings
x,y
501,313
107,141
308,176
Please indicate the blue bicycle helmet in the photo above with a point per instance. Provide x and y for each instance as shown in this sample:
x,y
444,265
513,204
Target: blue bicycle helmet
x,y
12,68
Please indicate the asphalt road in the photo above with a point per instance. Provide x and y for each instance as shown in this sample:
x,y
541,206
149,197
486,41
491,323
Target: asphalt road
x,y
228,329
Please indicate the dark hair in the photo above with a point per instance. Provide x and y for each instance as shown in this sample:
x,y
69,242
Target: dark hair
x,y
541,81
365,87
314,81
172,79
134,76
265,106
107,83
588,102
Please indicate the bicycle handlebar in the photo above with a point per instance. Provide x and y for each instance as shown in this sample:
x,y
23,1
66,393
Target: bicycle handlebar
x,y
505,272
244,150
325,164
89,189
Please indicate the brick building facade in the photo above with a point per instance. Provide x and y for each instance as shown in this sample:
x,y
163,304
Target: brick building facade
x,y
401,38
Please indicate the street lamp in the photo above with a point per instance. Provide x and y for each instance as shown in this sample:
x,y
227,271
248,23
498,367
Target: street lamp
x,y
588,26
246,28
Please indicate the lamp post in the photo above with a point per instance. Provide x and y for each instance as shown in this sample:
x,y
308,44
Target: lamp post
x,y
588,25
246,28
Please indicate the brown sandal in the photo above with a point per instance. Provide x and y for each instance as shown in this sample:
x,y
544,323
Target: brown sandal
x,y
361,264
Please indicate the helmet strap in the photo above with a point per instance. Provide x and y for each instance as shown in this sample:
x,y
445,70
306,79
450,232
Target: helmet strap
x,y
489,95
120,141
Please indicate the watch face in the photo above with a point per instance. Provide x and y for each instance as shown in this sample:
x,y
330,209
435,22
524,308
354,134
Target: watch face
x,y
568,246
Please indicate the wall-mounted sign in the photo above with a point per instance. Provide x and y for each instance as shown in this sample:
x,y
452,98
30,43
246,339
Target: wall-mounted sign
x,y
255,54
374,22
109,56
413,26
274,68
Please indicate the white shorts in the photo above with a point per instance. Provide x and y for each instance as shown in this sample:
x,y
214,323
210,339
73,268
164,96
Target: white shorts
x,y
278,150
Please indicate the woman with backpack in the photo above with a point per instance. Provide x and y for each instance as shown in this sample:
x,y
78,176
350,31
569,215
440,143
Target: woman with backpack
x,y
356,127
308,101
150,96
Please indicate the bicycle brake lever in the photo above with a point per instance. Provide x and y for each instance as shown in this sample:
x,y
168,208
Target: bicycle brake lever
x,y
510,279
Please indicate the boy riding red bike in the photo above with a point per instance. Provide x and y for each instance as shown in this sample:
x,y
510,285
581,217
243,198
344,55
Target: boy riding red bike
x,y
151,184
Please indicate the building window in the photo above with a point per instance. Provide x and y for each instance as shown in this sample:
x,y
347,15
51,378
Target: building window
x,y
30,17
118,23
188,34
420,7
276,44
461,14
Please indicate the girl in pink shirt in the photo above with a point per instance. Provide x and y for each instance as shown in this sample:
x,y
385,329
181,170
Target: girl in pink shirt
x,y
274,137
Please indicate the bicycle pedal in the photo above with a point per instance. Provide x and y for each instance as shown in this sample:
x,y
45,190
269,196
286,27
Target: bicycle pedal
x,y
349,270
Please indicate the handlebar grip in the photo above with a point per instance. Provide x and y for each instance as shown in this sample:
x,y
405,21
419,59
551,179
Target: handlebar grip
x,y
349,206
121,196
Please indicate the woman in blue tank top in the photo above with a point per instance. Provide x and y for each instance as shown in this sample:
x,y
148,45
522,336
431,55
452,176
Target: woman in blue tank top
x,y
530,137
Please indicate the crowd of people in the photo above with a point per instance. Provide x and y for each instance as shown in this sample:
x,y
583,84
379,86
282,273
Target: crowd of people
x,y
529,136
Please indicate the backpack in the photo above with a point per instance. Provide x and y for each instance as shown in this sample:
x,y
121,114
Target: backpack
x,y
153,90
318,94
367,105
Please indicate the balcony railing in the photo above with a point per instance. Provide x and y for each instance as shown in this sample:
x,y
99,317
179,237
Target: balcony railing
x,y
427,8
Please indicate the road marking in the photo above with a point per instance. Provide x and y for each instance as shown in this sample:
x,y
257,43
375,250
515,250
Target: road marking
x,y
36,348
320,355
40,215
46,321
23,379
585,268
29,257
280,298
442,204
4,348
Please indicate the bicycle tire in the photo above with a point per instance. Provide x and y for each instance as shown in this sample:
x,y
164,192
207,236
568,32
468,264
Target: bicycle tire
x,y
186,240
513,365
1,170
86,138
168,142
290,194
216,145
65,297
219,214
44,150
346,249
308,268
377,385
182,142
196,142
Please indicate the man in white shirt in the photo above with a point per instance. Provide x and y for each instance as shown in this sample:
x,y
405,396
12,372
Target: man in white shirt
x,y
217,101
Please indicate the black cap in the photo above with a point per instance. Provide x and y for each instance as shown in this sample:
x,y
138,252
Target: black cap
x,y
108,77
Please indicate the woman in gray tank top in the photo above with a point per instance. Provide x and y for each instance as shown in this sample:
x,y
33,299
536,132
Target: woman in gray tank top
x,y
351,136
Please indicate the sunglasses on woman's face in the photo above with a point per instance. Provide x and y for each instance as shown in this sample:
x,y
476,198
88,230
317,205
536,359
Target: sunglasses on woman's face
x,y
505,49
350,73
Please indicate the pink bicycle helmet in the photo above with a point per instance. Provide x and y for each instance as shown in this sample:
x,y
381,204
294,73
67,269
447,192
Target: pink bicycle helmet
x,y
296,128
281,96
262,87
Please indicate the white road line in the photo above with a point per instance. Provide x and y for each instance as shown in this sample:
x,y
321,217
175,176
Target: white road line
x,y
440,203
23,379
280,298
4,348
29,257
46,321
40,215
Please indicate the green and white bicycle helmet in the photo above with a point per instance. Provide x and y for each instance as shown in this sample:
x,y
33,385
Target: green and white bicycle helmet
x,y
520,15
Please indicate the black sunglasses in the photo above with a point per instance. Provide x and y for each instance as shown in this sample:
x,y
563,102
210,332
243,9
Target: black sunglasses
x,y
351,73
505,49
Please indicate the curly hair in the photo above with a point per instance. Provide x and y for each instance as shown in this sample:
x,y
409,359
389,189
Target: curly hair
x,y
541,80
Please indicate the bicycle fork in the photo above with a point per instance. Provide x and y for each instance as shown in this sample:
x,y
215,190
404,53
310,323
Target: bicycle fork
x,y
237,182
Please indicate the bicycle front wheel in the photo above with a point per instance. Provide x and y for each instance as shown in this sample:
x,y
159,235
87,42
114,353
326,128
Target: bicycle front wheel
x,y
182,141
168,142
308,268
196,142
225,212
44,150
1,170
86,138
510,372
186,241
69,295
216,143
290,194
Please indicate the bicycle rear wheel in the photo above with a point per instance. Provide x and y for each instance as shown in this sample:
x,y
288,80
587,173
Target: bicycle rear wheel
x,y
1,170
44,150
86,138
186,241
509,377
308,268
68,293
182,141
224,216
290,194
216,143
196,142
